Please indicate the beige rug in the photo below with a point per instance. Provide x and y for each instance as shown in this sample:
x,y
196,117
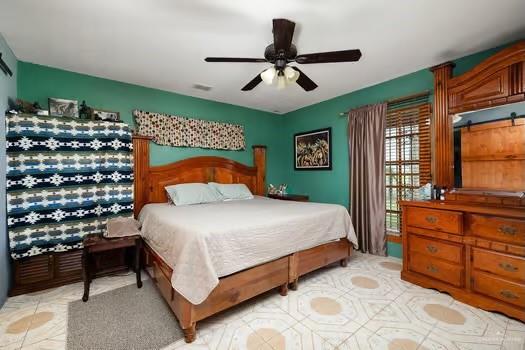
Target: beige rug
x,y
125,318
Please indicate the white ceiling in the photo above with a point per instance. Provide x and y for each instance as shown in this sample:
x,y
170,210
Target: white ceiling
x,y
162,43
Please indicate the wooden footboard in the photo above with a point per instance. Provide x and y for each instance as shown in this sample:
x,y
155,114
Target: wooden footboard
x,y
243,285
309,260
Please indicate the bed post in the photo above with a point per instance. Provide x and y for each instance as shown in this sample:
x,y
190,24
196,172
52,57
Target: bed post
x,y
141,170
259,160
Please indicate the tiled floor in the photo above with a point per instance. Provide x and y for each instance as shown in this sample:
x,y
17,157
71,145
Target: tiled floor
x,y
363,306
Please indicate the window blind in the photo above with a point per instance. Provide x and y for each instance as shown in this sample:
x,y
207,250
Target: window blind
x,y
407,155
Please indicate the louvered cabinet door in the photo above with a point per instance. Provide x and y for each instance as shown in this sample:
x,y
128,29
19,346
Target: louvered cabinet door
x,y
33,269
68,265
44,271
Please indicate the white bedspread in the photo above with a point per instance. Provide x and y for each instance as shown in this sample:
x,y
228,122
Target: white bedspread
x,y
206,241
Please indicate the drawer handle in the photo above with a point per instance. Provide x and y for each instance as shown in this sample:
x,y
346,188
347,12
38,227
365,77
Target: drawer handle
x,y
508,294
431,219
507,230
508,267
432,249
432,268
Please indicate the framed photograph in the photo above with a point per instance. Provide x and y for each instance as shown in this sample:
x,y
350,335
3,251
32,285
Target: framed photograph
x,y
313,150
59,107
100,114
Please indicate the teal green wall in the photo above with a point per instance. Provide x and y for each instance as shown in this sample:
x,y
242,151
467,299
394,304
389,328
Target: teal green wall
x,y
37,83
7,90
333,186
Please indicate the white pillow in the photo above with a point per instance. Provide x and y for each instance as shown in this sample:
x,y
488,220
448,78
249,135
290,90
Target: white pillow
x,y
232,191
192,193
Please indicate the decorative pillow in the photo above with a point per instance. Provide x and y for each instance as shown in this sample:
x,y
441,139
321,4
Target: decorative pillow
x,y
232,191
192,193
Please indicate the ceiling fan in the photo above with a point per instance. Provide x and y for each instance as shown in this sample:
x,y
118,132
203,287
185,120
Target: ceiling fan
x,y
282,52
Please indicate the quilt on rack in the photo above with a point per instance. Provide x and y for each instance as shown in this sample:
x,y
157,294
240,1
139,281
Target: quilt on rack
x,y
65,178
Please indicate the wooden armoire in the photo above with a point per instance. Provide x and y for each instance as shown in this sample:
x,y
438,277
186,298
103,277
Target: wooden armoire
x,y
472,244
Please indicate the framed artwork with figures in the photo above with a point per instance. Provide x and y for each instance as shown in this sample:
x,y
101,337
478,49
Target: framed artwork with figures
x,y
59,107
313,150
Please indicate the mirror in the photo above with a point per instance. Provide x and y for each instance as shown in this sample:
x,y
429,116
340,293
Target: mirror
x,y
489,149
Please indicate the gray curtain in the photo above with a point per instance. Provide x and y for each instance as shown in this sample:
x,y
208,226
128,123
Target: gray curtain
x,y
366,144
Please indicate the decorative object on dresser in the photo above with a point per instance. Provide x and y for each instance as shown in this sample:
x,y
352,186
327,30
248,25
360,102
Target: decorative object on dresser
x,y
239,286
289,197
97,244
46,221
472,244
313,150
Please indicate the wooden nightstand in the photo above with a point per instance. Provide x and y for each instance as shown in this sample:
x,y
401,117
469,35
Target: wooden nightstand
x,y
96,244
289,197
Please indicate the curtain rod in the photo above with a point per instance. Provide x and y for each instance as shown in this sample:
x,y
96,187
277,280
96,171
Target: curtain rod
x,y
396,100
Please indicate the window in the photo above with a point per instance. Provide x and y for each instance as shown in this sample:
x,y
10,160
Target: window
x,y
407,156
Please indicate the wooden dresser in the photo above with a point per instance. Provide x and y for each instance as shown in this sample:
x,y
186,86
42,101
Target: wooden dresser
x,y
476,253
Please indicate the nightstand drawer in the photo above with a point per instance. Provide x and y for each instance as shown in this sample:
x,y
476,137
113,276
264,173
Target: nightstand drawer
x,y
436,249
432,219
497,228
499,288
500,264
438,269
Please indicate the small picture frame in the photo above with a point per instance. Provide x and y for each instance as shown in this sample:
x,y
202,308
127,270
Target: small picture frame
x,y
313,150
108,116
59,107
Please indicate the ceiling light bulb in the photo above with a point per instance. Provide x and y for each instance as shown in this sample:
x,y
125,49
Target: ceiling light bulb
x,y
281,82
291,74
269,75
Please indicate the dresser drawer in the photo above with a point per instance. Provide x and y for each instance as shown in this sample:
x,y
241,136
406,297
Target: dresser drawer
x,y
433,219
500,264
499,288
497,228
438,269
435,248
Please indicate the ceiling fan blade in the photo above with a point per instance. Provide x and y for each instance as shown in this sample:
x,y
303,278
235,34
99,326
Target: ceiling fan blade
x,y
329,57
253,83
282,34
233,59
306,83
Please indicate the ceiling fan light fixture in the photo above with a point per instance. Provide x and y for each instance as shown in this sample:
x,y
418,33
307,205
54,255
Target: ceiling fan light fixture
x,y
281,82
269,75
291,74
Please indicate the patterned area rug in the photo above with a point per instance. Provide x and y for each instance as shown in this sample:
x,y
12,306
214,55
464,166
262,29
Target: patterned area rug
x,y
124,318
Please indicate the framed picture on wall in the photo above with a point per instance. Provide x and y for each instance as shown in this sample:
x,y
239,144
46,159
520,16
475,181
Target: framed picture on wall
x,y
313,150
109,116
59,107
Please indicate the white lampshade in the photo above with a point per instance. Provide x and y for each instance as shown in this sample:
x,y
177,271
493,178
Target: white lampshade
x,y
269,75
291,74
281,82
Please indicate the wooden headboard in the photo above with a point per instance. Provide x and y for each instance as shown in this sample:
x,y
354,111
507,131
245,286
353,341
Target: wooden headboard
x,y
151,180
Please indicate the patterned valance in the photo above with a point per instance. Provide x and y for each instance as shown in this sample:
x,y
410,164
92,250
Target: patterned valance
x,y
178,131
65,178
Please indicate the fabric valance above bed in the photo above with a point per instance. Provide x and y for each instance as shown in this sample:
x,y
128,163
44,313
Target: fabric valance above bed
x,y
178,131
65,178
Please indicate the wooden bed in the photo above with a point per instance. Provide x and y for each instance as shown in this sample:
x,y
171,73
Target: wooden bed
x,y
238,287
